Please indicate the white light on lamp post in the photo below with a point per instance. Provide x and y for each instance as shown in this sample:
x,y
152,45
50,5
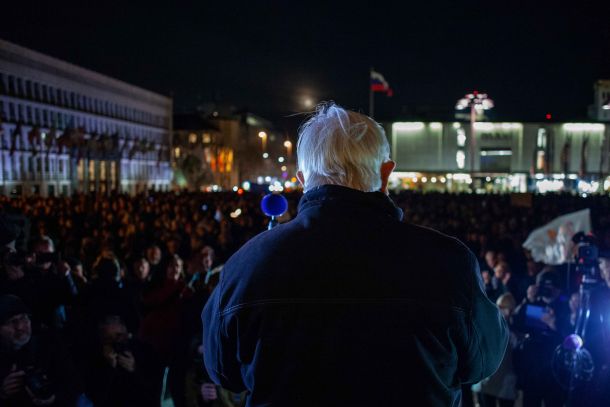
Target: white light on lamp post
x,y
288,145
478,103
263,137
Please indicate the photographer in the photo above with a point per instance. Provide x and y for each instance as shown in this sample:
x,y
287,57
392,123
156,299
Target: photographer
x,y
119,370
543,320
34,370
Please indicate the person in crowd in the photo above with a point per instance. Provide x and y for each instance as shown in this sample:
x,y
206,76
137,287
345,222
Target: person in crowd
x,y
164,301
9,232
154,256
54,287
491,259
355,297
119,370
163,327
493,285
35,369
501,387
533,268
543,319
504,274
109,295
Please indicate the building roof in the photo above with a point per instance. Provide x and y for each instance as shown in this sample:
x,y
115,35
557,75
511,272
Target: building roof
x,y
34,59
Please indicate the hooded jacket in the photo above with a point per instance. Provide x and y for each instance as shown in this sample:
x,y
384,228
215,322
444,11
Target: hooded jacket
x,y
346,305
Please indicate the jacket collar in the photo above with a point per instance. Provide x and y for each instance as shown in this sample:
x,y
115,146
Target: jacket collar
x,y
339,195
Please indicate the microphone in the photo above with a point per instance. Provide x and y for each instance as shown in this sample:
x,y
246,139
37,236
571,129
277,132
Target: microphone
x,y
274,205
572,364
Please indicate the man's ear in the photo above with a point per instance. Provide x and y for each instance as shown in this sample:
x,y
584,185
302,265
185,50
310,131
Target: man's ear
x,y
301,178
386,169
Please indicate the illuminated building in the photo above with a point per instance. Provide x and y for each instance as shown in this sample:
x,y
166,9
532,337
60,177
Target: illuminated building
x,y
66,129
203,156
509,156
600,109
223,148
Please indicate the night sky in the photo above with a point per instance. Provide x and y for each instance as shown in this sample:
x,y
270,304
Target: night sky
x,y
268,57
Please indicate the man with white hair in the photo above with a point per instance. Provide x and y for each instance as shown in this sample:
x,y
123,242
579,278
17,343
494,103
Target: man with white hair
x,y
346,305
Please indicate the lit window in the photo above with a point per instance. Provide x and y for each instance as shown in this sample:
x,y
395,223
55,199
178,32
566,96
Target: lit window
x,y
461,137
460,159
540,160
541,141
192,138
206,138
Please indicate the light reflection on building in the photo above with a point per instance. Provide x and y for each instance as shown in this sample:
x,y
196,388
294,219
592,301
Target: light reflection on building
x,y
65,129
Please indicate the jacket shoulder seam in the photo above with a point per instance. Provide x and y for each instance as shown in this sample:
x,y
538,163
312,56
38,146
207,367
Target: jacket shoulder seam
x,y
281,301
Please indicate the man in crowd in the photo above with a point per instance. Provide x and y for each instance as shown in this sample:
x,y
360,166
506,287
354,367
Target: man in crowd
x,y
347,305
544,318
34,370
119,370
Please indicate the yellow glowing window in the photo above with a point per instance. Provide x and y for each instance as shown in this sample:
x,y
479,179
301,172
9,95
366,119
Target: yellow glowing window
x,y
92,170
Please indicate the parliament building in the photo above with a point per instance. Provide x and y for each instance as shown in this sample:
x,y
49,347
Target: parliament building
x,y
66,129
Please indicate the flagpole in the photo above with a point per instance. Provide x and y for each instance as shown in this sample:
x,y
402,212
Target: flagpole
x,y
371,96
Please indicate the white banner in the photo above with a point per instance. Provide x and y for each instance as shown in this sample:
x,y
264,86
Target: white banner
x,y
552,243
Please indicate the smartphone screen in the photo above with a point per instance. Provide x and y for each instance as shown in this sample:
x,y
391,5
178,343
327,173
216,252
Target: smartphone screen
x,y
533,316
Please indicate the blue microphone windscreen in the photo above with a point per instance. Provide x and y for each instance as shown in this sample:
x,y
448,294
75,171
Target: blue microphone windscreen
x,y
274,204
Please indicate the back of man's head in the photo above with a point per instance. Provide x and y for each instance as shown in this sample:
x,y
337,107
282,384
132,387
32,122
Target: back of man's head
x,y
341,147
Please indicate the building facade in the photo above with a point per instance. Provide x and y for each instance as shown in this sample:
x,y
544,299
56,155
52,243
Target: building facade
x,y
507,156
203,155
67,129
600,109
225,149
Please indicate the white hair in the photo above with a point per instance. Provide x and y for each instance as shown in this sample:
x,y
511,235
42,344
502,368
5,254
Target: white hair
x,y
341,147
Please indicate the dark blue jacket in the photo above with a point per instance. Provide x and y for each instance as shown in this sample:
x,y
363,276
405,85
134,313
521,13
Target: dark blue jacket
x,y
347,306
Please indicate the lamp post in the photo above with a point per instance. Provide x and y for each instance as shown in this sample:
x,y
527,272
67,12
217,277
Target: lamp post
x,y
263,137
477,102
288,145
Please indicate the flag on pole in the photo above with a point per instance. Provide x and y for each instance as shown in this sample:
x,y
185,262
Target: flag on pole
x,y
552,243
379,84
33,139
14,135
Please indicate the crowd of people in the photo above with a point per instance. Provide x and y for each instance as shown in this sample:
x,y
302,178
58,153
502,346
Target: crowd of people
x,y
100,296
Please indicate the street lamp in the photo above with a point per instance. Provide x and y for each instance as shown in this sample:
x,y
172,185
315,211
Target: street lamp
x,y
477,102
263,137
288,145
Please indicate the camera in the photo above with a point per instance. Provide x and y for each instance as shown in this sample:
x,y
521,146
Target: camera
x,y
38,383
120,347
587,259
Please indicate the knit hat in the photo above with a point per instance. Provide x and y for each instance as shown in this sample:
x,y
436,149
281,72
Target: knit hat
x,y
11,305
